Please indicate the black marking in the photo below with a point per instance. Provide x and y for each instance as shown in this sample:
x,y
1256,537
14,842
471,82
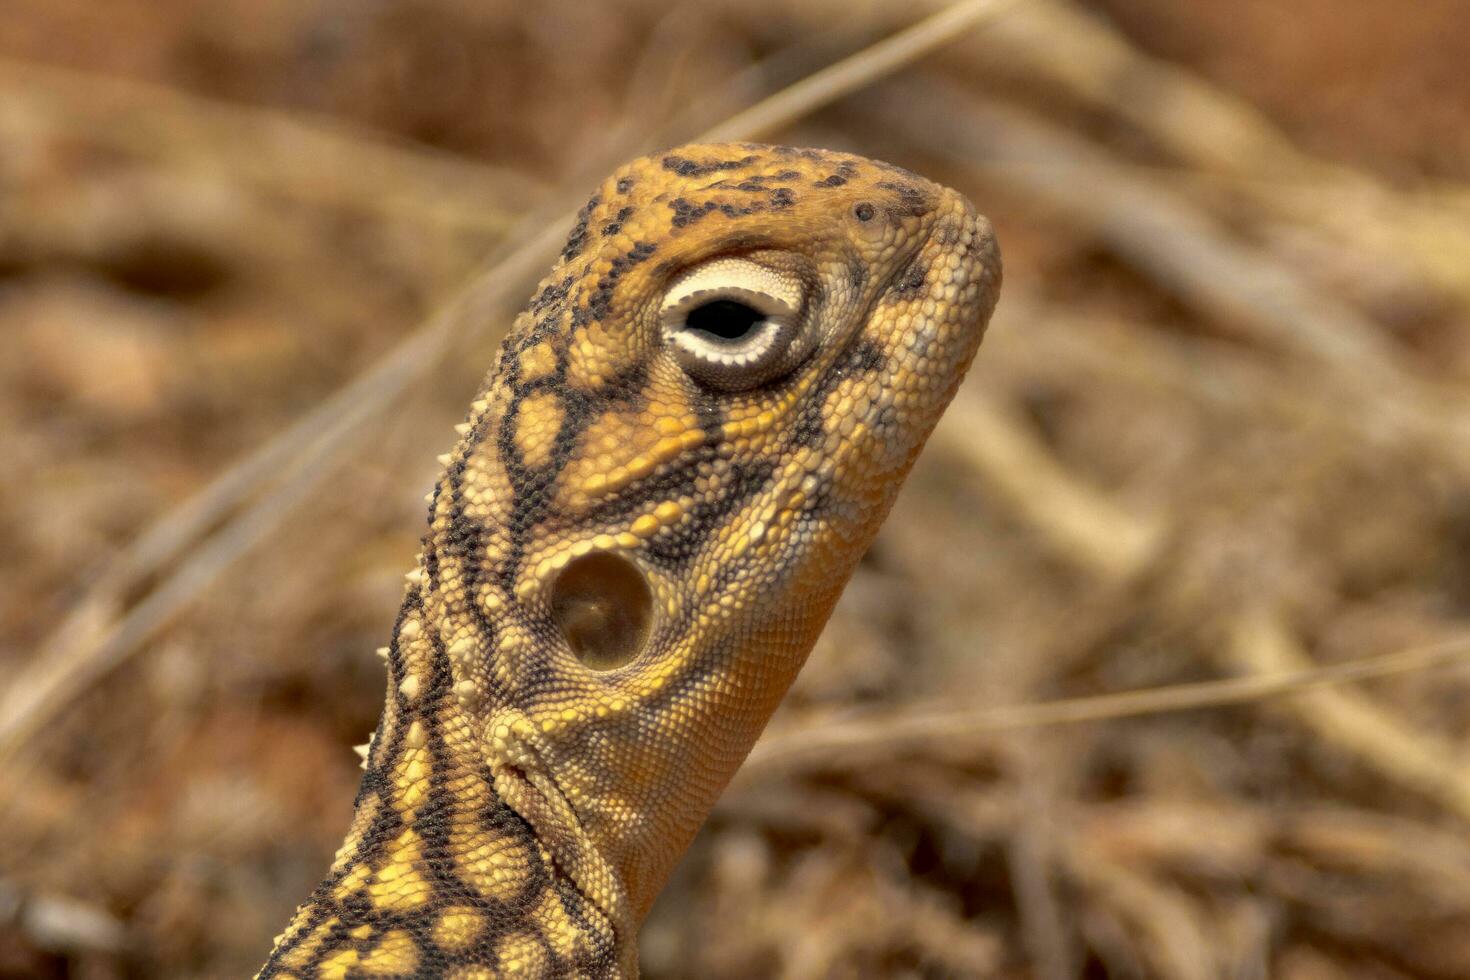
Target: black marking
x,y
499,820
599,304
674,547
709,412
577,240
431,557
743,240
551,298
831,180
862,357
947,233
687,213
685,167
625,184
387,824
466,540
528,496
912,202
913,278
782,197
600,958
867,357
754,183
531,495
669,482
616,224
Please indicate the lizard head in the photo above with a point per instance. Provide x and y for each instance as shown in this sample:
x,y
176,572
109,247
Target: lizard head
x,y
685,445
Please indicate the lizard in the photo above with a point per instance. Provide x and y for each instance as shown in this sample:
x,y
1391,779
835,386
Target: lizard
x,y
683,447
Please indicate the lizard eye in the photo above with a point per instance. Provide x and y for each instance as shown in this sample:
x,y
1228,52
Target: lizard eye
x,y
731,322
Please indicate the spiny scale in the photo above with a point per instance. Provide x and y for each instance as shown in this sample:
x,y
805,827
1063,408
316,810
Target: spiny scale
x,y
633,546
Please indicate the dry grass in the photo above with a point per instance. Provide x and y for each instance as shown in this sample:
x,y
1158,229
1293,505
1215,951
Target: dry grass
x,y
1157,670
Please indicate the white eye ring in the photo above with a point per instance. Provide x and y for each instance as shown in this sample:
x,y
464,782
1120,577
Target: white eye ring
x,y
730,321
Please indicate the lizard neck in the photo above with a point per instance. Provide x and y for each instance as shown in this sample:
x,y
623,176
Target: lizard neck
x,y
440,875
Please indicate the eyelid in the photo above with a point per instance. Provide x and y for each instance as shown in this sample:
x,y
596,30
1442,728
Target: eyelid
x,y
771,292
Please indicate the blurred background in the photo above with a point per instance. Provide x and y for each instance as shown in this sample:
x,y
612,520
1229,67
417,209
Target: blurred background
x,y
255,256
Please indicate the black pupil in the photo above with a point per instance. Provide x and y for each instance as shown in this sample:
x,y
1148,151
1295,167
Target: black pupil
x,y
724,319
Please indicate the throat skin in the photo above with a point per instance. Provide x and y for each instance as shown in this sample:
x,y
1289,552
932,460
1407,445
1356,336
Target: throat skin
x,y
523,803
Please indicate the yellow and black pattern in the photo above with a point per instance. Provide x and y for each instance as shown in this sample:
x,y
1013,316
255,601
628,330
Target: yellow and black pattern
x,y
686,443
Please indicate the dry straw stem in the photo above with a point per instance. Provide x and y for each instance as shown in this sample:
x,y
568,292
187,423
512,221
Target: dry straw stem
x,y
1422,233
1260,644
1165,832
97,636
920,726
306,158
1056,41
1031,857
824,87
841,903
1083,526
1058,345
1315,864
1030,338
1163,923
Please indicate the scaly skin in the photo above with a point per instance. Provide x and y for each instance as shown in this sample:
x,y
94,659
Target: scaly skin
x,y
630,557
